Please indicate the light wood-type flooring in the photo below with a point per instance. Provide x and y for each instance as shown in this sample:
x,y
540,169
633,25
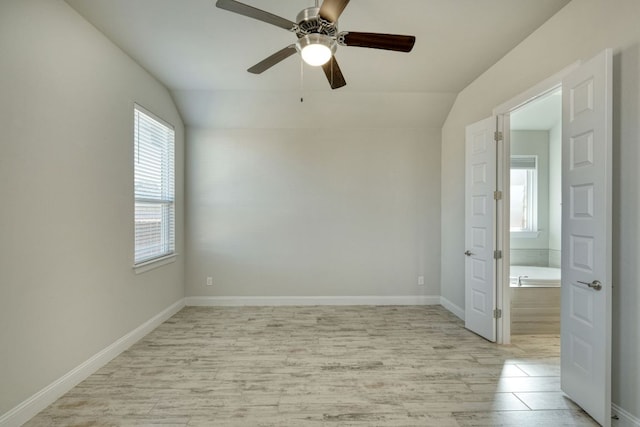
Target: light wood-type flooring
x,y
322,366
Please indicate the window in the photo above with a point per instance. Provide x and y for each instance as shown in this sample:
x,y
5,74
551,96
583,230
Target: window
x,y
154,187
523,194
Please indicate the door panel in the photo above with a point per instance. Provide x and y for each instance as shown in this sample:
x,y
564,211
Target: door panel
x,y
586,237
480,183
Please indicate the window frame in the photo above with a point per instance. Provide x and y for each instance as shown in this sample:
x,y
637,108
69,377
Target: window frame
x,y
167,233
531,196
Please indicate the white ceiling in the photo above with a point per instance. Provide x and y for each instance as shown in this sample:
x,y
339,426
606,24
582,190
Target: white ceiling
x,y
201,54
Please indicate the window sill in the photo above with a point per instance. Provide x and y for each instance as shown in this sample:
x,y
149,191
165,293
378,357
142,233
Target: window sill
x,y
525,234
154,263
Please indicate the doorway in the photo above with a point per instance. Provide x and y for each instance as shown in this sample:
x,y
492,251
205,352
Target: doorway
x,y
586,289
535,215
585,227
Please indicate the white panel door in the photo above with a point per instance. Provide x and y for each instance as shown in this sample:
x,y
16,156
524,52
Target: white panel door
x,y
480,184
586,237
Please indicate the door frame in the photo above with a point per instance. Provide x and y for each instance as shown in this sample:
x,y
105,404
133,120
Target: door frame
x,y
503,112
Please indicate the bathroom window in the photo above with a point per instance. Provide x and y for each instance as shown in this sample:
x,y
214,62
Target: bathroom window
x,y
524,195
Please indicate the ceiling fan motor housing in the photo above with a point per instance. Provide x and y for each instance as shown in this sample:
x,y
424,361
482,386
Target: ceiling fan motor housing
x,y
310,22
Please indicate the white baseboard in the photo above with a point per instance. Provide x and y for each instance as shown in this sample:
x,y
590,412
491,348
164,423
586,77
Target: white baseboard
x,y
458,311
316,300
45,397
625,419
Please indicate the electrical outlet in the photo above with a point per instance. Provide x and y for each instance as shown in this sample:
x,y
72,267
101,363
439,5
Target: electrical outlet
x,y
421,280
209,281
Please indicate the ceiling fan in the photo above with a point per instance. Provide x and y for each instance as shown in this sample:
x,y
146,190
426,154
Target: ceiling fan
x,y
318,37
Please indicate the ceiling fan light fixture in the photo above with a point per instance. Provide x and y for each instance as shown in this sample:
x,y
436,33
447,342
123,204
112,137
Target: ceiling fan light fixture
x,y
318,37
316,49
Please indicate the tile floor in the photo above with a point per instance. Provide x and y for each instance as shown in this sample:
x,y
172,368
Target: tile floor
x,y
322,366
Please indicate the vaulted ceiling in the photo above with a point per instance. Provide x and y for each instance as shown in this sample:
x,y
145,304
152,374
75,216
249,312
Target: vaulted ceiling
x,y
201,54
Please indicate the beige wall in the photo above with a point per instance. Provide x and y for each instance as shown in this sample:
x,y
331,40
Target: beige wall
x,y
67,289
579,31
313,212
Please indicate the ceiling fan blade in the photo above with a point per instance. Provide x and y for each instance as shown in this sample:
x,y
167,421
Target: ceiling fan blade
x,y
378,41
333,73
332,9
269,62
252,12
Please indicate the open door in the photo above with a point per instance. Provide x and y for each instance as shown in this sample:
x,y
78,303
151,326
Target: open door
x,y
586,237
480,265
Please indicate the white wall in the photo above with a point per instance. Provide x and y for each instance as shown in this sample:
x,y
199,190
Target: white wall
x,y
67,289
313,212
579,31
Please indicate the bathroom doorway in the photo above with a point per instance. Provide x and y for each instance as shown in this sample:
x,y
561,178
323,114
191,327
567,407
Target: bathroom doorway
x,y
586,280
535,215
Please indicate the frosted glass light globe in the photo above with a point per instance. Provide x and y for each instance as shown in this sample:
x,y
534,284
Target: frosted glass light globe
x,y
316,54
316,49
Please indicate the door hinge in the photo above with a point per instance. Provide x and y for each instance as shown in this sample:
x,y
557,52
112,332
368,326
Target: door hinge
x,y
498,136
497,195
497,254
497,313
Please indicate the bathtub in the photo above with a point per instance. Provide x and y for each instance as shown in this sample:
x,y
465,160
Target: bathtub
x,y
535,300
529,276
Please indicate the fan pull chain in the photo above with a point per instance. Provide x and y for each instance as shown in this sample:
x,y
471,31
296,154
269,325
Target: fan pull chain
x,y
301,80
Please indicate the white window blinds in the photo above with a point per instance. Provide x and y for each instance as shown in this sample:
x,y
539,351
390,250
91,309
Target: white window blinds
x,y
523,162
154,187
